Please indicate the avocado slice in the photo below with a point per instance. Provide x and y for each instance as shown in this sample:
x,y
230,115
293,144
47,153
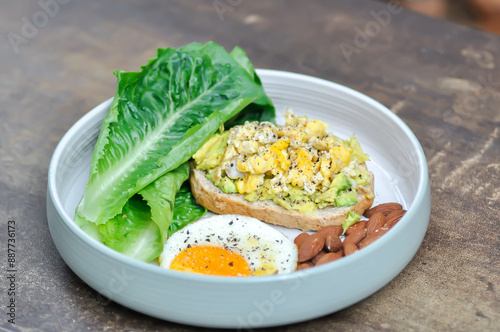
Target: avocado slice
x,y
340,182
227,185
346,198
352,218
210,154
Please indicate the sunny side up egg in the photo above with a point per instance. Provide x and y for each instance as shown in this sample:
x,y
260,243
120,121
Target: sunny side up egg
x,y
229,245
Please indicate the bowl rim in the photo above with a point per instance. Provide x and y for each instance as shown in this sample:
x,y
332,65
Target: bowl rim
x,y
218,280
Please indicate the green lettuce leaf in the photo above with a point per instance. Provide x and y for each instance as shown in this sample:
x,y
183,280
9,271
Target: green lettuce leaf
x,y
186,210
133,232
161,116
262,109
150,217
160,196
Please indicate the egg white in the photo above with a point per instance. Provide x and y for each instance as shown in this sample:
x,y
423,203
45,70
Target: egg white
x,y
264,248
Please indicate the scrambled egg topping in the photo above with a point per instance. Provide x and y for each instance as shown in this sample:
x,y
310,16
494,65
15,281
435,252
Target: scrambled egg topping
x,y
299,166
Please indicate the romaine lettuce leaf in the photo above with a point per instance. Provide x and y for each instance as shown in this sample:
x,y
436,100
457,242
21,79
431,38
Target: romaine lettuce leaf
x,y
161,116
186,210
133,232
160,196
149,217
261,109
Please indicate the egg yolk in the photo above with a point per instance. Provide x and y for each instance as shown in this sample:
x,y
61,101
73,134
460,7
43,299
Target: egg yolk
x,y
211,260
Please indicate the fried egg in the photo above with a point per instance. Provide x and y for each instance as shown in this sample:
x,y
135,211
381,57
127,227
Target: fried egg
x,y
229,245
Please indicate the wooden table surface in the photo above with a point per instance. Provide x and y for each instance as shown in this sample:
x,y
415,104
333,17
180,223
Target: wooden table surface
x,y
442,79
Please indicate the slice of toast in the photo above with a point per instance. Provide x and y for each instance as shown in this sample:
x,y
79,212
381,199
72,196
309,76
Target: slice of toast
x,y
215,200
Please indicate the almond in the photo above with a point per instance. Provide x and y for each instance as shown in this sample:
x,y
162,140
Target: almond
x,y
350,248
305,265
369,240
300,238
393,217
385,208
330,257
310,247
333,243
358,225
376,221
316,258
330,230
379,231
354,237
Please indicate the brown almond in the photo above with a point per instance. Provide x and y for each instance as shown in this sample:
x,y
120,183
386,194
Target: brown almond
x,y
330,257
300,238
368,240
385,208
393,217
376,221
330,230
305,265
310,247
379,231
350,248
333,243
358,225
354,237
316,258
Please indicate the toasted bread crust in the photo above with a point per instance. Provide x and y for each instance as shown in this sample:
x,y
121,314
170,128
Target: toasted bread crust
x,y
215,200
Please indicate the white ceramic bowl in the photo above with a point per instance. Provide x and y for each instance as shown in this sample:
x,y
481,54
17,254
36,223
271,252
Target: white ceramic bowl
x,y
400,175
